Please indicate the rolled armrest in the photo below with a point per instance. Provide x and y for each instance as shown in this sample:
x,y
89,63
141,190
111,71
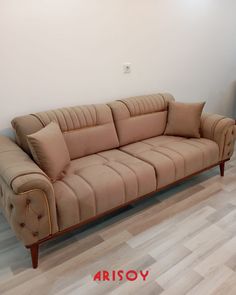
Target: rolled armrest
x,y
27,195
220,129
14,164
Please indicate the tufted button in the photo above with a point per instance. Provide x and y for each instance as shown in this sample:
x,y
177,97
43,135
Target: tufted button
x,y
22,224
11,206
27,201
40,216
35,234
229,143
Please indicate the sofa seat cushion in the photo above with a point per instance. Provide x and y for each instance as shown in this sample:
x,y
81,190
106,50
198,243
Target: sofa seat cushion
x,y
97,183
175,157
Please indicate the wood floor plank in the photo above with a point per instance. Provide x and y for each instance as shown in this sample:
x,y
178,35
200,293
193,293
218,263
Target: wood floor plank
x,y
174,209
69,268
217,259
202,240
157,232
167,200
228,287
184,284
201,251
212,281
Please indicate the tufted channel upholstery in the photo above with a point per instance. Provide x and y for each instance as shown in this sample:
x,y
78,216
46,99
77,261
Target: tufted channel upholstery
x,y
175,157
86,129
100,182
118,153
140,117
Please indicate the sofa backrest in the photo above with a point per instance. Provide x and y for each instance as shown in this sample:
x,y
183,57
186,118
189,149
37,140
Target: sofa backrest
x,y
141,117
86,129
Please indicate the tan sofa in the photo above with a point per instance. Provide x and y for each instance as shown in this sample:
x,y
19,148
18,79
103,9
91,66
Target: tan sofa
x,y
118,155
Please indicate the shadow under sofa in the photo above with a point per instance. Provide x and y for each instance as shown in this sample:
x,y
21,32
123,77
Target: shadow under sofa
x,y
118,154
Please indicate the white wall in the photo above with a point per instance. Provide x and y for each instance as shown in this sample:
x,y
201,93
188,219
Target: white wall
x,y
57,53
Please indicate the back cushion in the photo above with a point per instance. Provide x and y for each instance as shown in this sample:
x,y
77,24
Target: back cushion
x,y
140,117
86,129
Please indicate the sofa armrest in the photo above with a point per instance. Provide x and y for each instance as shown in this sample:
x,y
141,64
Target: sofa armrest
x,y
26,194
220,129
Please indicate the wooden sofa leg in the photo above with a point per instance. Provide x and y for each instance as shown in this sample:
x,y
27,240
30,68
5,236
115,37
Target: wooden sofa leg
x,y
34,250
222,169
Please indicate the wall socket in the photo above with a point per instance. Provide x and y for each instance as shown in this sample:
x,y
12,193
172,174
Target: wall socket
x,y
127,68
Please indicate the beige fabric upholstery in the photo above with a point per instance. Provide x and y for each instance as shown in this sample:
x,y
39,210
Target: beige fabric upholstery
x,y
222,130
86,129
175,157
140,117
100,182
101,177
184,119
26,195
23,126
49,150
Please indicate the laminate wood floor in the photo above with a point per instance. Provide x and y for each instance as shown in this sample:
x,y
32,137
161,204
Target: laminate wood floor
x,y
185,237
